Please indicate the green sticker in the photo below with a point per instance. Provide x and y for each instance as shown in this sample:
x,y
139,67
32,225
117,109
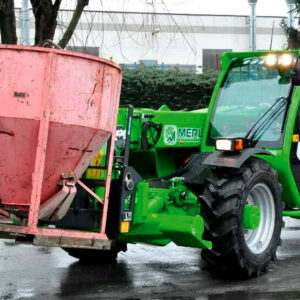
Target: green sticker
x,y
170,135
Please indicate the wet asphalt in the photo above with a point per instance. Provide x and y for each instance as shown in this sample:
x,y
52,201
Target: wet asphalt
x,y
143,272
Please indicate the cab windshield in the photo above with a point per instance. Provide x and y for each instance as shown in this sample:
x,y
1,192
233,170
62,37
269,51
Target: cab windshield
x,y
251,104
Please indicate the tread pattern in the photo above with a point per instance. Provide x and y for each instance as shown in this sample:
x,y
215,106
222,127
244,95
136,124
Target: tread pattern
x,y
222,205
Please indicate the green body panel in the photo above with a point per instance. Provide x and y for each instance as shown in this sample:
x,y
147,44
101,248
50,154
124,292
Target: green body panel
x,y
280,160
180,133
292,213
187,127
164,215
157,209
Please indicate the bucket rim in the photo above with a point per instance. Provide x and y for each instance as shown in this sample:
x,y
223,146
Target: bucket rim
x,y
61,52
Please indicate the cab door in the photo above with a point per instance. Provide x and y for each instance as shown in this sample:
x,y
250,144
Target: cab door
x,y
295,151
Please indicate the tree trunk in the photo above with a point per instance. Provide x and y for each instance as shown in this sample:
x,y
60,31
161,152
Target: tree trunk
x,y
293,34
293,38
45,14
75,19
8,22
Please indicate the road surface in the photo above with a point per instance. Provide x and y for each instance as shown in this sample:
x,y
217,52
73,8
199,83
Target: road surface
x,y
143,272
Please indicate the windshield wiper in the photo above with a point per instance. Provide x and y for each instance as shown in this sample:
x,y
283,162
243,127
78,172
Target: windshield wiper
x,y
271,114
264,127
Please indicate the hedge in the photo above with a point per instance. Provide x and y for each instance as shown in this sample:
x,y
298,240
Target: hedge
x,y
179,89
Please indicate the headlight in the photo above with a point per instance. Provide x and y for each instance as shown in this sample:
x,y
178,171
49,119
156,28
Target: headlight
x,y
229,144
224,145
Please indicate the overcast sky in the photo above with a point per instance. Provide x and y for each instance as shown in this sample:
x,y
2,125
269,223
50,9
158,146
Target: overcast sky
x,y
264,7
236,7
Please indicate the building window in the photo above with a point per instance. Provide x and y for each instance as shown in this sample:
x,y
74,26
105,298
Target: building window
x,y
86,50
212,58
148,62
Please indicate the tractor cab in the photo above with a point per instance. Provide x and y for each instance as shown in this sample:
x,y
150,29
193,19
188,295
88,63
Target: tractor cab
x,y
251,105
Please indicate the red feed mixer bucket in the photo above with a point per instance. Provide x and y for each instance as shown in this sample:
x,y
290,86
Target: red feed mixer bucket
x,y
72,99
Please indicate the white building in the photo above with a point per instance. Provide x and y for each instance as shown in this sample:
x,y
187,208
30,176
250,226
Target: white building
x,y
190,40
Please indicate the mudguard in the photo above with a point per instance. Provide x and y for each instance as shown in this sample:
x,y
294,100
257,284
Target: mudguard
x,y
232,159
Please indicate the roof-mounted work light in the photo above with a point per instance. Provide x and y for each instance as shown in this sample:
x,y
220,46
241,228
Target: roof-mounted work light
x,y
271,61
284,61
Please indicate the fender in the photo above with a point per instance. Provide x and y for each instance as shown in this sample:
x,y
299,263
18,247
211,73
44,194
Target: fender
x,y
232,159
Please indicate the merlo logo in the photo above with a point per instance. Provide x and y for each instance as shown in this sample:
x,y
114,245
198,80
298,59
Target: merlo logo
x,y
170,135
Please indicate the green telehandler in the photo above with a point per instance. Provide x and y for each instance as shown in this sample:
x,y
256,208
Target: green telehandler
x,y
219,179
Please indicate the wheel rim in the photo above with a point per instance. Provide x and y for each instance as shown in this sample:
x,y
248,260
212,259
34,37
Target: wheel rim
x,y
258,240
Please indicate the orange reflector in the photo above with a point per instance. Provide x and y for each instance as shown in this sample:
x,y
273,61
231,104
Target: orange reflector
x,y
124,227
238,145
295,138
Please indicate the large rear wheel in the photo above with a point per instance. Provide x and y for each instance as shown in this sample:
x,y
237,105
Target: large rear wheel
x,y
236,249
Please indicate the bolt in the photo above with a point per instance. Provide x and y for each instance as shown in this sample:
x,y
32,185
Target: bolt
x,y
182,195
259,244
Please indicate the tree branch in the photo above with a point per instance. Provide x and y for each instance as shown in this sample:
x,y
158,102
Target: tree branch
x,y
74,21
293,34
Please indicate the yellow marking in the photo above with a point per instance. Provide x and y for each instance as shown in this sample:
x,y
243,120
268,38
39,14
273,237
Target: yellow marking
x,y
97,160
295,138
94,173
124,227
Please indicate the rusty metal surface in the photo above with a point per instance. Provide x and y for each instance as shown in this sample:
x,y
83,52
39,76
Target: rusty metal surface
x,y
57,109
56,207
15,230
59,103
70,242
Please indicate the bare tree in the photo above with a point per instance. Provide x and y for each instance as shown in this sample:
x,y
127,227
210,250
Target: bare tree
x,y
45,14
293,34
73,23
8,22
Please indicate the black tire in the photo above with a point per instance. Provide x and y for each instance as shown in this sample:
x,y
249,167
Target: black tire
x,y
96,256
223,200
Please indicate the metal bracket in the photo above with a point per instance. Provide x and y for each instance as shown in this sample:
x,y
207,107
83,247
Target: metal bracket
x,y
91,192
57,206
